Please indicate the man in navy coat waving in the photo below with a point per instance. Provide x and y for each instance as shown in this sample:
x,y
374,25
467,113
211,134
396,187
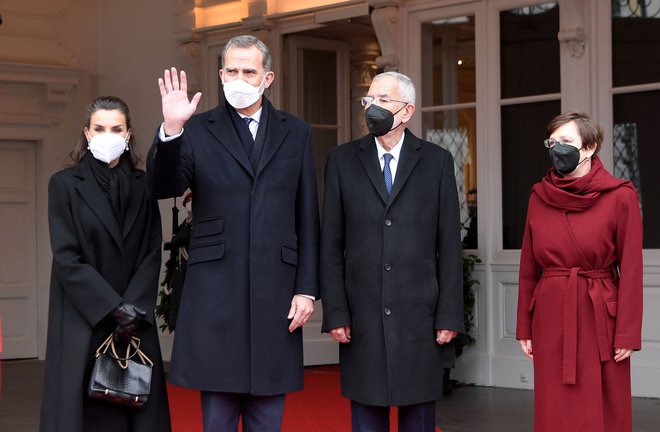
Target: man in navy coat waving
x,y
253,258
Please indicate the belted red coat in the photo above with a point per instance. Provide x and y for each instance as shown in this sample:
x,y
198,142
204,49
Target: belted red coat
x,y
580,297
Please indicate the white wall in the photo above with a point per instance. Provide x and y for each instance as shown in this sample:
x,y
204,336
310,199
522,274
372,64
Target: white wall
x,y
105,48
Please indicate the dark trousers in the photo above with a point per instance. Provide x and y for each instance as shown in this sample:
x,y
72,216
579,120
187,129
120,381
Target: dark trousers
x,y
412,418
221,412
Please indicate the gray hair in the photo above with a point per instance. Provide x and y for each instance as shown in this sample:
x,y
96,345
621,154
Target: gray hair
x,y
247,41
406,86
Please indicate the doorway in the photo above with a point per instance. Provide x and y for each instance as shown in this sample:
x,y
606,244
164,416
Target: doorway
x,y
317,90
18,268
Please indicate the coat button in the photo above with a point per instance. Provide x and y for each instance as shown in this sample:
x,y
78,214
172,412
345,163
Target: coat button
x,y
387,311
388,267
388,222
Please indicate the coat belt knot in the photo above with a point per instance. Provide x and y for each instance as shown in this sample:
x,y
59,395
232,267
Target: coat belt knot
x,y
570,319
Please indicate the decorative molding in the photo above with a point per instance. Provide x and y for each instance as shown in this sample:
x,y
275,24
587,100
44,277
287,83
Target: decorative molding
x,y
572,31
363,69
508,309
575,40
57,82
384,3
387,26
265,35
192,57
35,37
257,8
32,73
57,94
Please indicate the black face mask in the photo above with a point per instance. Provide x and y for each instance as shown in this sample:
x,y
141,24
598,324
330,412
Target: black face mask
x,y
565,158
379,120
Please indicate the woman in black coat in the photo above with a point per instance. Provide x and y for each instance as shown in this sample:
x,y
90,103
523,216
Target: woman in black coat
x,y
106,237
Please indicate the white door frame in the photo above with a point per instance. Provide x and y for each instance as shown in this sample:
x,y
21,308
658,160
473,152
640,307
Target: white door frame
x,y
18,278
496,358
319,348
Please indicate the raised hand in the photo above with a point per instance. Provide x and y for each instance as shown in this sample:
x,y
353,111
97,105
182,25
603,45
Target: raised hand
x,y
174,97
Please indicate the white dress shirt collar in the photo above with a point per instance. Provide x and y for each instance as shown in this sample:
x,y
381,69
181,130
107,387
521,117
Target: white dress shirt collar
x,y
395,152
254,124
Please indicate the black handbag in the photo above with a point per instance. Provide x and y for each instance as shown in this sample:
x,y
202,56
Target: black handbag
x,y
121,380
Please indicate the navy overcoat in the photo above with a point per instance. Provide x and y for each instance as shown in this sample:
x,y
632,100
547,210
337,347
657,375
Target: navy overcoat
x,y
391,268
254,245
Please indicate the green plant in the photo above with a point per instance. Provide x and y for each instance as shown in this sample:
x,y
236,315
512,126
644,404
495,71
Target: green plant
x,y
164,307
469,298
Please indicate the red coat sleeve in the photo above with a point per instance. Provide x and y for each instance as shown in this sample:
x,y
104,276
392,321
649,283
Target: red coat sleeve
x,y
527,279
628,330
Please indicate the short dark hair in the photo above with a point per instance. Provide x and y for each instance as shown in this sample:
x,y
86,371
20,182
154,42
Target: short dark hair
x,y
246,41
590,132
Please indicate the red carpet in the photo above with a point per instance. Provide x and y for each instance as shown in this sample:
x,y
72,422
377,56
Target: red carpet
x,y
318,408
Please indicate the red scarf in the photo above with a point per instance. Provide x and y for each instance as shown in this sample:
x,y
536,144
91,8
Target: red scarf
x,y
580,193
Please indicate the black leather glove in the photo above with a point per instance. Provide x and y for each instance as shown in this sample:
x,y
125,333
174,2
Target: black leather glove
x,y
130,319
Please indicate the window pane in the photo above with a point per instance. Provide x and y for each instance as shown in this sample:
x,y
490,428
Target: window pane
x,y
448,61
455,131
529,51
320,78
635,42
524,162
637,155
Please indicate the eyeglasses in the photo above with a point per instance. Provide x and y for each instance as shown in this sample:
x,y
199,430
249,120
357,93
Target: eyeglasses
x,y
550,143
368,100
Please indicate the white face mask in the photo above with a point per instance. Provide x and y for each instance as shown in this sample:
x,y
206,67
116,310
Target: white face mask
x,y
240,94
107,147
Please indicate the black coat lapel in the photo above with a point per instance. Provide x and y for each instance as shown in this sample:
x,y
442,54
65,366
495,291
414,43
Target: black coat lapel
x,y
260,138
92,194
137,188
369,158
221,126
407,161
277,129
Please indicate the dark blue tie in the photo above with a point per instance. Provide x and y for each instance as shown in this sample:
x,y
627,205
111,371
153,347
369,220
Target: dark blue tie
x,y
247,121
387,173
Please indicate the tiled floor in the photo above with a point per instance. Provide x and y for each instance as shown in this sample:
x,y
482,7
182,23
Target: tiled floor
x,y
467,409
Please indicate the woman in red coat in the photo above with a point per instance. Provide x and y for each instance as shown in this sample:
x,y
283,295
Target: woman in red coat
x,y
580,298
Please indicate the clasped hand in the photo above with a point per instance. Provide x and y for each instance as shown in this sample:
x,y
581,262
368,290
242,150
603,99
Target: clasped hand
x,y
130,319
343,335
619,353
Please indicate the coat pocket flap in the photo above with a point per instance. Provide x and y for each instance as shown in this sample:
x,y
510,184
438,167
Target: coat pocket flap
x,y
289,255
611,306
206,252
208,227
